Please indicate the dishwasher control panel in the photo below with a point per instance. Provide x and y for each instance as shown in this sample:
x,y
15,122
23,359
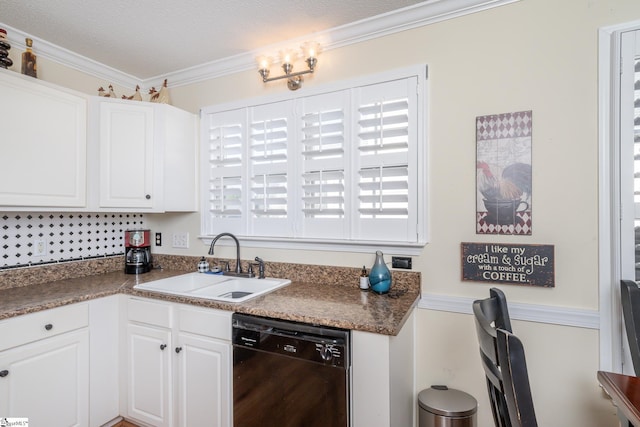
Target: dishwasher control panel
x,y
327,346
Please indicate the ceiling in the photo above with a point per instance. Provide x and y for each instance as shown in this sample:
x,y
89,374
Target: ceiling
x,y
150,38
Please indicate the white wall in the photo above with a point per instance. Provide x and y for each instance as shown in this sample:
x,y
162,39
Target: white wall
x,y
534,54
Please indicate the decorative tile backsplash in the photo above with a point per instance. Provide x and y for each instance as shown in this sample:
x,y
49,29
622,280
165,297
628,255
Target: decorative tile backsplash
x,y
66,236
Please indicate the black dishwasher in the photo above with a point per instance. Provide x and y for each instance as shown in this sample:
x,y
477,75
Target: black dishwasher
x,y
288,374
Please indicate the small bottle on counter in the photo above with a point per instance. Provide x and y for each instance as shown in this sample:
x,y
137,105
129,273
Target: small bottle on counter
x,y
29,66
364,279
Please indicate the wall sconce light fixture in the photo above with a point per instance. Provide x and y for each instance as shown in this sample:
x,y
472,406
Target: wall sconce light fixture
x,y
294,80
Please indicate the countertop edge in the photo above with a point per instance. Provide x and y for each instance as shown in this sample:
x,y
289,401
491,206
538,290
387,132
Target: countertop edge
x,y
257,307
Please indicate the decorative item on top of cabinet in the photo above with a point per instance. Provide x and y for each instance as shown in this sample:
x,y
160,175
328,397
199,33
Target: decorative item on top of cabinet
x,y
5,61
136,95
29,65
161,97
110,94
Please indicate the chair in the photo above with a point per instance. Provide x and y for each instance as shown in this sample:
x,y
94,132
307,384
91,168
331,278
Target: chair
x,y
504,363
630,297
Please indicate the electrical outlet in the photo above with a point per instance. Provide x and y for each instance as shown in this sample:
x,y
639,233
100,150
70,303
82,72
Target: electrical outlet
x,y
401,262
39,247
181,240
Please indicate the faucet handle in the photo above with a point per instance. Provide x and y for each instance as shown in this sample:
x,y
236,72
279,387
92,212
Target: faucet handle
x,y
226,266
260,267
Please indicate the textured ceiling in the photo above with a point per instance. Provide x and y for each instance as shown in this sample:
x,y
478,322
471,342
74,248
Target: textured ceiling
x,y
148,38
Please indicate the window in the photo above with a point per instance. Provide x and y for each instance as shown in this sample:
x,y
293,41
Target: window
x,y
337,166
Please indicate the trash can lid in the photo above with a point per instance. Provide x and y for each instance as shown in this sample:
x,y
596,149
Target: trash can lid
x,y
441,400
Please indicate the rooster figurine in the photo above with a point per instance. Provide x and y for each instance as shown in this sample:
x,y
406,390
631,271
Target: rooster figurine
x,y
136,96
153,94
514,183
111,94
161,97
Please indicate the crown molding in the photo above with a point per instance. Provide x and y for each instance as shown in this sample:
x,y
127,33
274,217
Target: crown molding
x,y
404,19
70,59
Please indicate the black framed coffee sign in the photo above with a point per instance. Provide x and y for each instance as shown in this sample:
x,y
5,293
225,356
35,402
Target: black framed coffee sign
x,y
532,265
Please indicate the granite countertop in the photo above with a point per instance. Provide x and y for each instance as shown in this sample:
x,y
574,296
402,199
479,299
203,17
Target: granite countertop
x,y
324,304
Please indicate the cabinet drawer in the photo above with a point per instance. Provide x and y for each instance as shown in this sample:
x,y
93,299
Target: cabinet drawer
x,y
43,324
209,322
151,312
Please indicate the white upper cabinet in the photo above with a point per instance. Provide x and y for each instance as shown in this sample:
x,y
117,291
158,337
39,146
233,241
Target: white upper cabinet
x,y
43,144
145,156
126,150
65,151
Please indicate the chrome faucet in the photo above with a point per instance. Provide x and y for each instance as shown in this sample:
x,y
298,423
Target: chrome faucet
x,y
238,266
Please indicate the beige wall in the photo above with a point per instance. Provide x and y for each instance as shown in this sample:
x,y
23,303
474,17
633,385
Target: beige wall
x,y
534,54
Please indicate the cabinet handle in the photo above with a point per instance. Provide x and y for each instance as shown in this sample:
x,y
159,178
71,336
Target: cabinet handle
x,y
163,346
48,326
4,373
148,196
178,349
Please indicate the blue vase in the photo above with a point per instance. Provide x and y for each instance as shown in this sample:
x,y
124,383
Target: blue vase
x,y
380,276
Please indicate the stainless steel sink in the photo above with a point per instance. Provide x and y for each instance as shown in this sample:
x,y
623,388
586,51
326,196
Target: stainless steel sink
x,y
213,286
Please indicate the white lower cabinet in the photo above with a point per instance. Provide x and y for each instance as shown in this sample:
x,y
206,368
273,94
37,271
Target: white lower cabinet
x,y
104,359
44,367
178,364
149,375
383,378
203,397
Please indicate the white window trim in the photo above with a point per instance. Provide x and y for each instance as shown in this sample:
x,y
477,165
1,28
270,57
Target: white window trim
x,y
400,248
608,189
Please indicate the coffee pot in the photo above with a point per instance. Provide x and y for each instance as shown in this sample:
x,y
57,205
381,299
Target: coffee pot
x,y
137,251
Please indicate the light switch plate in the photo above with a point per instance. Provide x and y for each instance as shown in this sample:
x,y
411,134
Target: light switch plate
x,y
180,240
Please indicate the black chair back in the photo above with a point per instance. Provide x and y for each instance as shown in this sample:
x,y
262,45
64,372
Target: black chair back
x,y
630,298
499,359
515,380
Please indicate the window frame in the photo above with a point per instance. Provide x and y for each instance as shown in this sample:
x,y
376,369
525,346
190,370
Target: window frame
x,y
418,176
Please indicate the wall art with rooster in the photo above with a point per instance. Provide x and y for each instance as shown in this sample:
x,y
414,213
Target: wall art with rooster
x,y
503,173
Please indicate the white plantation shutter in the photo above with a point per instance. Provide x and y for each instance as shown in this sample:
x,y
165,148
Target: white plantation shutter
x,y
636,135
386,161
338,166
269,169
323,165
225,135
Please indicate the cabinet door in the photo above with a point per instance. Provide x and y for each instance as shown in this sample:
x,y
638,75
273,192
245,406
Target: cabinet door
x,y
104,353
149,375
126,155
47,381
204,387
43,144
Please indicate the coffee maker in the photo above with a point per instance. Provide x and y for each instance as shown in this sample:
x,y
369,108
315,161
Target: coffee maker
x,y
137,245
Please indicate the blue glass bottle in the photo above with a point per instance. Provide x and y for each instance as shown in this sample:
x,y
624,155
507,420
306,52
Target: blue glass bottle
x,y
380,276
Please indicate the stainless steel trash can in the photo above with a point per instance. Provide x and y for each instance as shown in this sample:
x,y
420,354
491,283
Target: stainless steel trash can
x,y
441,406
